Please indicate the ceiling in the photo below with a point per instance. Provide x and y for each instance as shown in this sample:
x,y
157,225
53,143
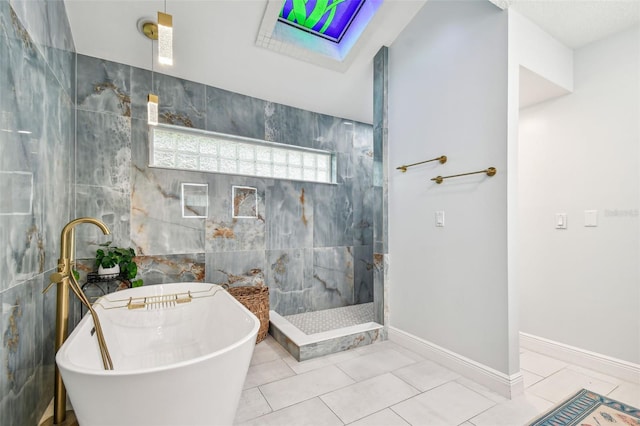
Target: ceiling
x,y
214,44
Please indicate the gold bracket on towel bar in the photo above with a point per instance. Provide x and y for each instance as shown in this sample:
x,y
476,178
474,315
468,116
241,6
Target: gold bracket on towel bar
x,y
491,171
442,159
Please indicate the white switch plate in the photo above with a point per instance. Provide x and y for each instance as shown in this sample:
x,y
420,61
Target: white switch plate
x,y
561,221
440,219
591,218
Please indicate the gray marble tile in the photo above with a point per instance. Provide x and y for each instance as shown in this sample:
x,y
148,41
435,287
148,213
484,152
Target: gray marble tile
x,y
46,21
224,233
157,225
378,221
332,278
19,357
62,64
171,268
235,268
333,215
22,106
181,102
108,205
235,114
103,155
362,185
334,134
290,213
103,86
140,90
139,143
363,269
46,322
56,175
292,126
284,274
379,276
339,344
380,96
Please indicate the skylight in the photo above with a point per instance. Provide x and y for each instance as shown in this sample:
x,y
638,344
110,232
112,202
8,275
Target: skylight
x,y
328,19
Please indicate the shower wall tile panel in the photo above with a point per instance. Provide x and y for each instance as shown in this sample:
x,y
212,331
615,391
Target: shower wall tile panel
x,y
105,157
235,114
292,126
181,102
157,225
45,22
333,215
103,86
289,213
362,186
224,233
108,205
332,278
363,269
234,269
171,268
20,360
285,274
140,89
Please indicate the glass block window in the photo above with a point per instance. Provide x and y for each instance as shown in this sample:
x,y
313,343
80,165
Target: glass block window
x,y
181,148
328,19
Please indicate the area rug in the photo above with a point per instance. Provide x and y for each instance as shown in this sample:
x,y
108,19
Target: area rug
x,y
587,408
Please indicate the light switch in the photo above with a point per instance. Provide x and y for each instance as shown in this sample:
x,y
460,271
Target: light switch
x,y
561,221
440,219
591,218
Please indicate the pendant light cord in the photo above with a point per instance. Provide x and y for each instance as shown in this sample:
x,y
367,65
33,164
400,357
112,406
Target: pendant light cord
x,y
152,66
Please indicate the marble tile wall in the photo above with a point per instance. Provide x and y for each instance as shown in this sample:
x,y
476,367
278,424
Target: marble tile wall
x,y
312,243
380,182
36,168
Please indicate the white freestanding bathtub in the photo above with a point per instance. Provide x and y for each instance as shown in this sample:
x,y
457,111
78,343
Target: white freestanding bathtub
x,y
174,363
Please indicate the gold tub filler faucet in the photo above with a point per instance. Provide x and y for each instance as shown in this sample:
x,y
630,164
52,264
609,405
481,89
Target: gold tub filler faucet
x,y
65,280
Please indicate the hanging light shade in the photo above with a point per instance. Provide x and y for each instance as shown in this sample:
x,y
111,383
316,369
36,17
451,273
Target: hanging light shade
x,y
165,38
152,109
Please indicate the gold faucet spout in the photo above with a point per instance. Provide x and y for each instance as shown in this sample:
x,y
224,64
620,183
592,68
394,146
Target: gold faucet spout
x,y
66,237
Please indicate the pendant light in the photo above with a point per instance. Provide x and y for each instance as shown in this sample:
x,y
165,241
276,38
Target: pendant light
x,y
165,37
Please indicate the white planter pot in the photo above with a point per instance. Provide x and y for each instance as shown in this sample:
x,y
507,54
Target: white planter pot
x,y
109,271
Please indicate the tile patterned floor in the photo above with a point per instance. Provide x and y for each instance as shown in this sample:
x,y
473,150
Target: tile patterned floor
x,y
385,384
331,319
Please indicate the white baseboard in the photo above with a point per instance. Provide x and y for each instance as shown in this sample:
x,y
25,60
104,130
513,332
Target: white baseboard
x,y
503,384
610,366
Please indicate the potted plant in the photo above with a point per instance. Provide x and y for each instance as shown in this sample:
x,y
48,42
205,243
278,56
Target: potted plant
x,y
117,261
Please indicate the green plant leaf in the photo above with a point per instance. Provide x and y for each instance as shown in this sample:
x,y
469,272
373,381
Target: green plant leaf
x,y
136,283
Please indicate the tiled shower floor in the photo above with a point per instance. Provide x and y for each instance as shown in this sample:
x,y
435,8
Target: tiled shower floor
x,y
331,319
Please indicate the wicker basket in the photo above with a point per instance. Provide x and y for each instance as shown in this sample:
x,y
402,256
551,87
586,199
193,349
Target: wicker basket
x,y
255,299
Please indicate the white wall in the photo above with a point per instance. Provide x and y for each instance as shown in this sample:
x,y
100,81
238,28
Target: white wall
x,y
448,95
581,286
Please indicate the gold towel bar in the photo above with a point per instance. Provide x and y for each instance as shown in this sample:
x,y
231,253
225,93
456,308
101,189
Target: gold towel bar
x,y
491,171
442,159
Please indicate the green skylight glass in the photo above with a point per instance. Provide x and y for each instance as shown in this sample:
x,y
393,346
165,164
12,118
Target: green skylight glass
x,y
328,19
